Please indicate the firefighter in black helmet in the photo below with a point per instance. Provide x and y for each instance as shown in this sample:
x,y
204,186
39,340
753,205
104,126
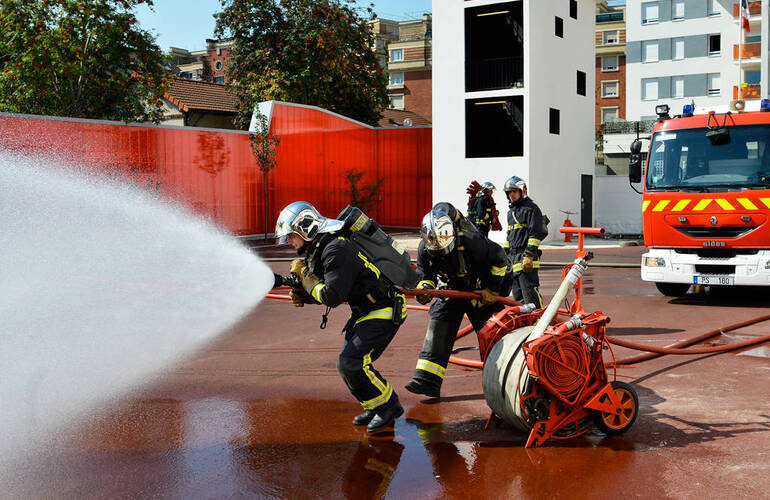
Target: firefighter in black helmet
x,y
481,211
332,272
526,229
454,255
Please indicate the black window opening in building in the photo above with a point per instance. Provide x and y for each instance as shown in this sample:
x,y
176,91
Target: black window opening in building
x,y
573,9
494,47
494,127
553,121
581,83
558,27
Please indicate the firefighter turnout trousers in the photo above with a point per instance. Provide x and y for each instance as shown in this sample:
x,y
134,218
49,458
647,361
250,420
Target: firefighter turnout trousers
x,y
446,315
365,341
526,286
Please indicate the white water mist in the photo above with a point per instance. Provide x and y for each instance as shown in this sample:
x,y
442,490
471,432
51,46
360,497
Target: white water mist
x,y
101,286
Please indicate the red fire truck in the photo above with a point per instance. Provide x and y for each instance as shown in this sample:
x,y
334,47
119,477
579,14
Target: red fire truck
x,y
706,200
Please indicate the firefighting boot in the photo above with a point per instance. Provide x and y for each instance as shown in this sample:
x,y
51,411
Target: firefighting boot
x,y
419,386
364,418
386,418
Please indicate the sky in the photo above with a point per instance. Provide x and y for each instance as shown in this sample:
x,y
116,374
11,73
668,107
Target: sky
x,y
188,23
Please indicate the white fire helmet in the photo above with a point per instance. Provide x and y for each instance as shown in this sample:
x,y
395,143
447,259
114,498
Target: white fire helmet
x,y
302,219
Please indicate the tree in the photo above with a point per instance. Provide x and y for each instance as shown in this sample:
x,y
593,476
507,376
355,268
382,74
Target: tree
x,y
314,52
263,146
366,196
79,58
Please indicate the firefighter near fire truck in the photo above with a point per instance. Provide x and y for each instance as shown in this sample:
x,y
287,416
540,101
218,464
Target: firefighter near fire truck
x,y
336,270
453,255
526,229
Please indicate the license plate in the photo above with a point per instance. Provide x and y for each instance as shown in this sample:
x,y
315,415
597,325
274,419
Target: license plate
x,y
709,279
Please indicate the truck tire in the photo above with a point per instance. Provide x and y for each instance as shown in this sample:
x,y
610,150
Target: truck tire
x,y
672,289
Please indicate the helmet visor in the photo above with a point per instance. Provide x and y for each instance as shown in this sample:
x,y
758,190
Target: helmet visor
x,y
438,233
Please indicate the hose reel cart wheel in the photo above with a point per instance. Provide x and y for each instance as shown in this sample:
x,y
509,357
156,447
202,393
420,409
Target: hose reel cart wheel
x,y
613,423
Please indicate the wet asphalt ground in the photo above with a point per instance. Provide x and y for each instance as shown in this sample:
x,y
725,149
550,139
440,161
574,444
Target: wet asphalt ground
x,y
262,413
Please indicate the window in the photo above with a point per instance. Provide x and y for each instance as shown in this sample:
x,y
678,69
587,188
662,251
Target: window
x,y
609,63
715,42
197,74
186,75
650,12
218,65
219,79
677,10
397,78
650,89
609,114
677,48
677,87
713,7
396,55
753,39
396,101
753,77
494,127
714,84
553,122
610,89
581,83
650,51
559,27
382,61
610,37
573,9
494,48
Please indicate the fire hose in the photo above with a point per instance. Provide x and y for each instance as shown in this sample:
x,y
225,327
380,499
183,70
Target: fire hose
x,y
651,352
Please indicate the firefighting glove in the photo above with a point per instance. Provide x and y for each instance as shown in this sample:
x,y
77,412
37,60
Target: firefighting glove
x,y
527,264
309,280
300,297
487,296
424,299
297,266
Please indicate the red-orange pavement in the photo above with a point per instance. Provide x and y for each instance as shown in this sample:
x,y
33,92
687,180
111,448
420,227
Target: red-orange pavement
x,y
262,413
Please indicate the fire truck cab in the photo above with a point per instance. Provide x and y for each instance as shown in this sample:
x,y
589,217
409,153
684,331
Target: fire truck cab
x,y
706,199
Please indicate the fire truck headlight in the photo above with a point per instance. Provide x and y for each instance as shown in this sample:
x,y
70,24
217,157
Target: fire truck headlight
x,y
654,262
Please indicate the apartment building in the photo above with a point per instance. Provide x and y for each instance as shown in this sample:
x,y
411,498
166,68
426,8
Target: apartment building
x,y
680,51
206,65
404,49
610,63
514,95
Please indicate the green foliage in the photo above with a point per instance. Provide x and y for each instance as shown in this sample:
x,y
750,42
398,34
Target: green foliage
x,y
79,58
315,52
263,145
366,196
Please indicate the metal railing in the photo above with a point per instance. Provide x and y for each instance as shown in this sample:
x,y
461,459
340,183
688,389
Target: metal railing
x,y
625,127
609,17
493,74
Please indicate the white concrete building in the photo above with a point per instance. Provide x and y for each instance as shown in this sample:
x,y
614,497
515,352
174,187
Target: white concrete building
x,y
514,94
679,51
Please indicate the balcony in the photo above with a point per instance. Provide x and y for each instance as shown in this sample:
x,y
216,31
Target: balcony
x,y
749,92
608,17
755,9
494,74
750,50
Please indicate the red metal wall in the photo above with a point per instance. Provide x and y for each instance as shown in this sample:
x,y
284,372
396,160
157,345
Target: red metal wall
x,y
214,173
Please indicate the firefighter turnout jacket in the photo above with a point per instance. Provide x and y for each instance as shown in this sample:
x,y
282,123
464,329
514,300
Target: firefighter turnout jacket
x,y
473,264
347,276
525,232
481,213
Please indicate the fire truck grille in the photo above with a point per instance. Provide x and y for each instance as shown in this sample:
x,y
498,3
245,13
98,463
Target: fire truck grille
x,y
714,269
715,232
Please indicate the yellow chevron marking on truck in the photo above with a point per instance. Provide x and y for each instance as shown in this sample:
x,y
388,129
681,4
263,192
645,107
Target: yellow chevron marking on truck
x,y
726,205
747,204
661,205
702,204
646,203
766,201
680,205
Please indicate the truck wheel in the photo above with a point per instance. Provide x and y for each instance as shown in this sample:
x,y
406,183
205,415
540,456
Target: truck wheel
x,y
672,289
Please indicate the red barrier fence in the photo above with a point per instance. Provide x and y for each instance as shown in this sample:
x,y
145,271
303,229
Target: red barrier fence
x,y
215,174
